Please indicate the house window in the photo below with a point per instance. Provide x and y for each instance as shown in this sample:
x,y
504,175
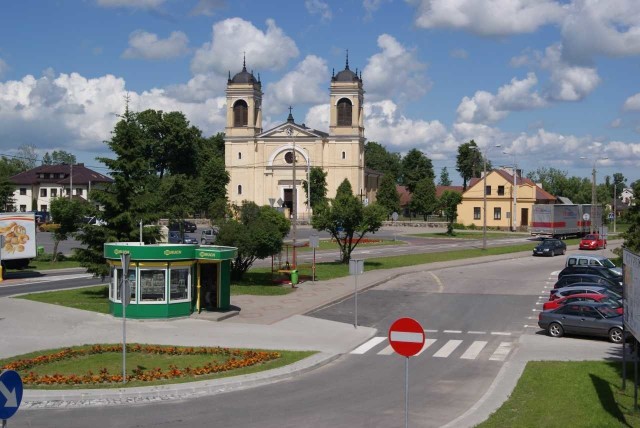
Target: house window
x,y
23,208
240,113
497,213
43,207
78,191
344,112
43,193
501,190
476,213
23,191
487,190
239,189
239,155
54,193
344,155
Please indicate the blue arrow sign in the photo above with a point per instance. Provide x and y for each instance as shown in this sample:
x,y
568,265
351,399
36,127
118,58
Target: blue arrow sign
x,y
10,393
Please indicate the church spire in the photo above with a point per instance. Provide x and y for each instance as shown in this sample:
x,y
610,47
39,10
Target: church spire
x,y
347,64
290,118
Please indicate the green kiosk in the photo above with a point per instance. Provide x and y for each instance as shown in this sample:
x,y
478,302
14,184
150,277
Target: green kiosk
x,y
170,280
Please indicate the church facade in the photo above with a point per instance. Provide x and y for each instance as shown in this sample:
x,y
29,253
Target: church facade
x,y
269,167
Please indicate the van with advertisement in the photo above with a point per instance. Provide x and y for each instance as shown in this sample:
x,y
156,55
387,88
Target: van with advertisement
x,y
18,238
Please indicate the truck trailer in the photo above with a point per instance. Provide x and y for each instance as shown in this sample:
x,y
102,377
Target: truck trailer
x,y
18,238
563,220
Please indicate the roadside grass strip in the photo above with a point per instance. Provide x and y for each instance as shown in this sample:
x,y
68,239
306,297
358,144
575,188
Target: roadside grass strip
x,y
569,394
94,298
100,365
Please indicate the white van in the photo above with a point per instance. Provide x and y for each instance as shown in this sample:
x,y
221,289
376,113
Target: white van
x,y
592,260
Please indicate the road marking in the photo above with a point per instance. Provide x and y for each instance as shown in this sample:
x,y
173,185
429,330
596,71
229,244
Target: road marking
x,y
540,303
53,279
368,345
472,351
501,333
501,353
447,349
431,331
440,284
427,343
386,351
532,318
452,331
476,332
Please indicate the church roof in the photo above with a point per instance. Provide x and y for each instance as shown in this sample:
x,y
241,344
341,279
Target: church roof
x,y
244,76
346,75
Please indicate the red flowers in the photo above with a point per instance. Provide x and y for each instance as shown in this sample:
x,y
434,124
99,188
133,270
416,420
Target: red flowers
x,y
236,359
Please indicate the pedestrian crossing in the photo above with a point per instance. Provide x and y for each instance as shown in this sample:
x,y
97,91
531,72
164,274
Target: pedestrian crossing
x,y
444,348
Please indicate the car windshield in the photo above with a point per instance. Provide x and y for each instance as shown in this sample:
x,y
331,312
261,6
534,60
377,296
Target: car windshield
x,y
608,263
590,238
547,243
608,312
612,303
612,294
608,274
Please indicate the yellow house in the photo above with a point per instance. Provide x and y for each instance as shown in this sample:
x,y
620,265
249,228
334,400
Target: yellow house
x,y
500,200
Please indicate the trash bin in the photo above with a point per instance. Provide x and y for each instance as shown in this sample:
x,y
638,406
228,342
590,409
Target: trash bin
x,y
294,277
40,250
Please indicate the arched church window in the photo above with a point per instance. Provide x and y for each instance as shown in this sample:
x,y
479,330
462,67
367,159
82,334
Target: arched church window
x,y
239,189
344,155
344,112
240,113
239,155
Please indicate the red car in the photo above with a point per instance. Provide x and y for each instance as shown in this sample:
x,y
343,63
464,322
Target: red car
x,y
586,297
593,241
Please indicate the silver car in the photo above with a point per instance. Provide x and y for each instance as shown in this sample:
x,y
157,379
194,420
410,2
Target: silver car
x,y
583,318
583,288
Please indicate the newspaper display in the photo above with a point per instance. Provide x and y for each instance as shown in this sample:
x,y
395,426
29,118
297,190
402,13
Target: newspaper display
x,y
631,282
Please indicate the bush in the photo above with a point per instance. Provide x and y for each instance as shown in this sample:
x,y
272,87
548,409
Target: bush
x,y
47,257
459,226
48,227
472,227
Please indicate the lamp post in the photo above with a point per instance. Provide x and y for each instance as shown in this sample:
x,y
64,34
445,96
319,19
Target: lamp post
x,y
308,185
514,193
594,197
294,195
484,193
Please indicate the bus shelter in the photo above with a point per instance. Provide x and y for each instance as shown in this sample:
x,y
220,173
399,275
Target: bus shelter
x,y
170,280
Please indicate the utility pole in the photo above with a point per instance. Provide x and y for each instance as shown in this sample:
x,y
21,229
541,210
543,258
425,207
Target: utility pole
x,y
294,204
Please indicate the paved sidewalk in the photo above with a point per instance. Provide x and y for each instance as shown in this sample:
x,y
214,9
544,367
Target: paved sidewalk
x,y
266,322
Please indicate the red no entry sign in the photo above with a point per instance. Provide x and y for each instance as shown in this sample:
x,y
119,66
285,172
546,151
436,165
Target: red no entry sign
x,y
406,336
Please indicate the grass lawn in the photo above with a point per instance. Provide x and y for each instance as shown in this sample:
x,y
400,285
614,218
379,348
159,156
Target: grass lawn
x,y
569,394
326,244
94,298
471,235
136,361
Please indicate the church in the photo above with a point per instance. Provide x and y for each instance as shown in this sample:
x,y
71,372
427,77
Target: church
x,y
270,167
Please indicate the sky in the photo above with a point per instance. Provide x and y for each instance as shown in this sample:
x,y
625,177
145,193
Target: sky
x,y
538,83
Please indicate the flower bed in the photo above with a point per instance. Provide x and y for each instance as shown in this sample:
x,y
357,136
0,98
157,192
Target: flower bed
x,y
236,359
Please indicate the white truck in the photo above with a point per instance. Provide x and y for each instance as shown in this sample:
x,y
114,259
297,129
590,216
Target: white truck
x,y
563,220
18,238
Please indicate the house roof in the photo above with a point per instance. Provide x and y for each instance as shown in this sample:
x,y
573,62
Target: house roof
x,y
541,194
405,195
52,174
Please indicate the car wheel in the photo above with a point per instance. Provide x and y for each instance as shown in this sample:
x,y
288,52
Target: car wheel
x,y
615,335
564,251
555,330
202,241
605,245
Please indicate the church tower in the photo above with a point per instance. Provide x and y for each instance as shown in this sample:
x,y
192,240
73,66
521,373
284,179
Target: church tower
x,y
347,98
244,105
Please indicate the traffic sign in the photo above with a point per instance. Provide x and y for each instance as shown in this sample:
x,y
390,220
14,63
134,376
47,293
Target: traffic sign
x,y
10,393
610,216
586,216
406,336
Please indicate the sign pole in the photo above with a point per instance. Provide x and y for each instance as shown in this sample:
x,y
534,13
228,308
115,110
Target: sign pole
x,y
356,267
313,268
355,293
125,296
406,392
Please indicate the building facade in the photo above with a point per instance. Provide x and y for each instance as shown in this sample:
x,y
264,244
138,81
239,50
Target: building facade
x,y
269,167
36,188
504,187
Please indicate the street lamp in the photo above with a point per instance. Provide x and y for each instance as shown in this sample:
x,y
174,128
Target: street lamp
x,y
294,195
514,193
594,198
484,193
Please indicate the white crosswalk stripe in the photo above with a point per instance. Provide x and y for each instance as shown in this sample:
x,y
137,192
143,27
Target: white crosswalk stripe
x,y
444,348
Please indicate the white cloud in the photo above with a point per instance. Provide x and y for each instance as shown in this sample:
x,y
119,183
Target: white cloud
x,y
132,4
632,103
371,6
198,89
207,7
568,82
3,67
319,7
306,84
459,54
488,17
596,27
143,45
485,107
616,123
268,50
395,72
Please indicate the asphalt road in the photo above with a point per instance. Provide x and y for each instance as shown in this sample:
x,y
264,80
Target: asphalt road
x,y
473,315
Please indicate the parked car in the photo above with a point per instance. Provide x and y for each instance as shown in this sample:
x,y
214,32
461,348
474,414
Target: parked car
x,y
593,241
583,297
583,289
208,236
583,318
591,270
187,226
577,279
188,239
550,247
174,237
592,260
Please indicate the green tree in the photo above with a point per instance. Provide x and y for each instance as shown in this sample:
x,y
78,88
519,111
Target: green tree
x,y
347,220
257,234
58,157
318,179
632,235
424,200
211,185
68,214
388,196
9,168
444,177
449,202
469,162
415,167
377,157
28,154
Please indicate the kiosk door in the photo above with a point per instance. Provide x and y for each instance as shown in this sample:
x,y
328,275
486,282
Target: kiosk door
x,y
209,284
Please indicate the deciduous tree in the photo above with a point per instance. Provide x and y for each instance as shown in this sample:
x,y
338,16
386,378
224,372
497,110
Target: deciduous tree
x,y
449,202
424,200
415,167
388,196
68,215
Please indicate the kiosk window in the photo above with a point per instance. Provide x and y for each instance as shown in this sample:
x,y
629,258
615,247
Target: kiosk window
x,y
116,283
180,280
152,285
